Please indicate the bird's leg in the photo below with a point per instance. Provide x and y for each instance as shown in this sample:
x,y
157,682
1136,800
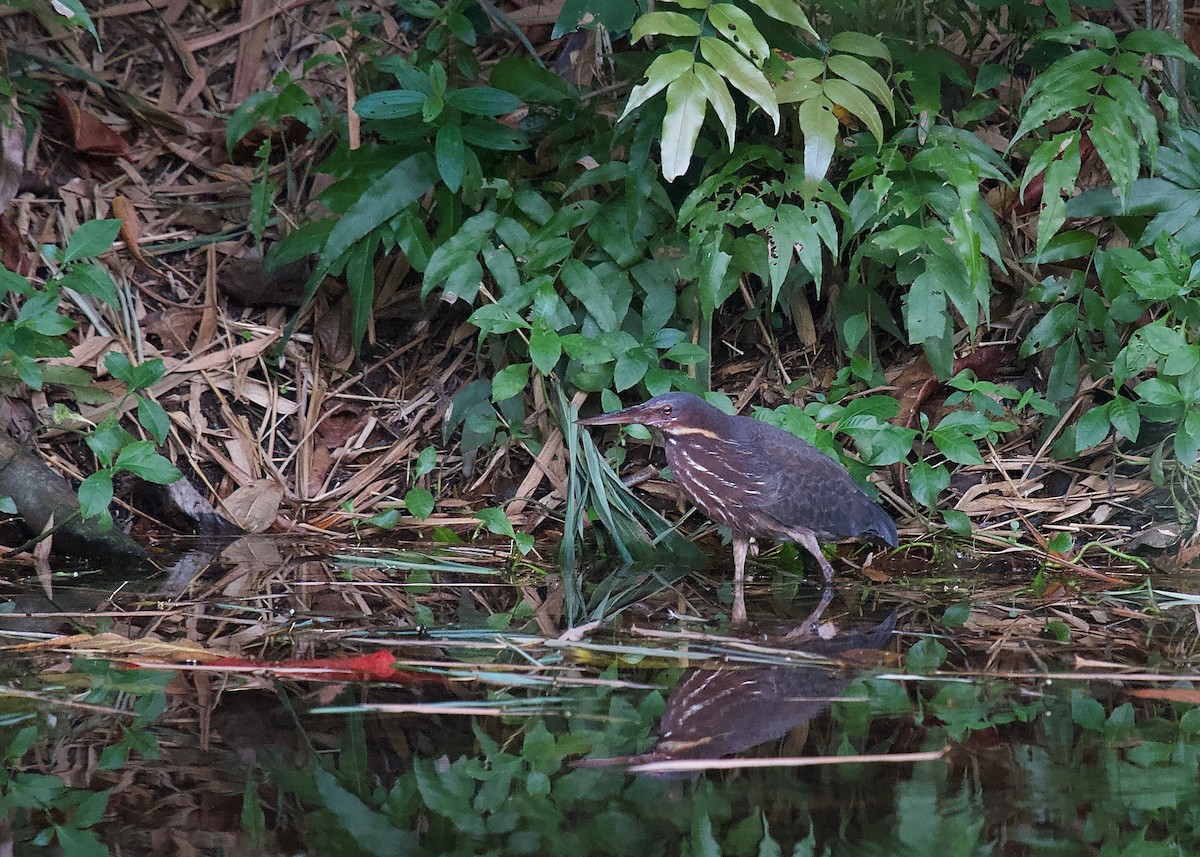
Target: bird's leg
x,y
809,542
741,545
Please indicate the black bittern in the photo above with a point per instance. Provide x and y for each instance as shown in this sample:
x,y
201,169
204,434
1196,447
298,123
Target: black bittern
x,y
760,481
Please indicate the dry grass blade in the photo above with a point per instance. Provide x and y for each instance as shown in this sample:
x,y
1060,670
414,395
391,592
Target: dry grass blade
x,y
686,765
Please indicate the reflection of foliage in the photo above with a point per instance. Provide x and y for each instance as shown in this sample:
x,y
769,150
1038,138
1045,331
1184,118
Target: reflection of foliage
x,y
41,808
1132,777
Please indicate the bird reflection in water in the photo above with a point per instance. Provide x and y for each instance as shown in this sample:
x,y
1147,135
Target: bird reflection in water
x,y
717,712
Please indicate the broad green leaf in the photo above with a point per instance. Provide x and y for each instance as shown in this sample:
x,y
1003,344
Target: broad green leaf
x,y
140,459
90,240
861,44
392,104
450,153
789,12
1125,93
510,381
483,101
544,347
1065,86
927,482
93,279
1156,391
820,129
664,24
1053,327
596,297
153,418
1092,427
712,285
1161,43
865,78
1125,417
400,186
661,73
925,308
95,493
743,74
718,96
1060,177
1113,136
686,105
956,446
1187,439
736,26
853,99
420,502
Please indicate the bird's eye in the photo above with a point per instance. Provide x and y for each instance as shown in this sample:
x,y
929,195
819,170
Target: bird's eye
x,y
667,410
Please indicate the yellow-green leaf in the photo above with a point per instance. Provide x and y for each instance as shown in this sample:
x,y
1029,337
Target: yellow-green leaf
x,y
664,24
850,97
820,129
661,73
865,78
736,26
739,71
861,44
686,105
719,97
787,11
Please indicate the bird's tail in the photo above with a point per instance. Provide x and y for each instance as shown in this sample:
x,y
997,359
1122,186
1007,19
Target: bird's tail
x,y
882,526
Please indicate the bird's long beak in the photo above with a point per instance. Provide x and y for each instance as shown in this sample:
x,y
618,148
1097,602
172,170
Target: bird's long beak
x,y
623,417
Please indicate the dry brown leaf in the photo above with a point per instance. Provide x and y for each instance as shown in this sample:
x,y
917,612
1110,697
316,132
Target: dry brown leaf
x,y
131,229
89,135
254,507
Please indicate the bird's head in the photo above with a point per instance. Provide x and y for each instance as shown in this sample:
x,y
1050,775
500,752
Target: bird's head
x,y
670,413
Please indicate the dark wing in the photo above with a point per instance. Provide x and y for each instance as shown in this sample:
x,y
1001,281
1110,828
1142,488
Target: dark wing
x,y
801,487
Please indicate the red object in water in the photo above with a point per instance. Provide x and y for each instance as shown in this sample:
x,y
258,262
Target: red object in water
x,y
377,666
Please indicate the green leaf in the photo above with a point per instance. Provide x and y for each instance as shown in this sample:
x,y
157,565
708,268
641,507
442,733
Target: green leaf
x,y
399,187
1161,43
738,28
686,104
544,347
790,12
847,95
820,128
717,93
865,78
664,24
925,308
419,501
1125,417
91,279
927,482
1059,322
861,44
957,522
1112,135
140,459
925,656
510,381
450,155
95,493
1092,427
1060,177
596,297
1187,439
1156,391
153,418
743,74
661,73
91,239
956,446
483,101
